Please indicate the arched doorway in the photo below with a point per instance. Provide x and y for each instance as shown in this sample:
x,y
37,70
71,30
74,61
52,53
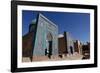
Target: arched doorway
x,y
49,45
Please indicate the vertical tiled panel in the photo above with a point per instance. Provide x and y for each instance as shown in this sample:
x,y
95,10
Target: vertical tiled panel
x,y
45,26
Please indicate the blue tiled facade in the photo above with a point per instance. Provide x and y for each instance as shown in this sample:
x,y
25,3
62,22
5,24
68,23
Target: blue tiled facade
x,y
46,31
70,43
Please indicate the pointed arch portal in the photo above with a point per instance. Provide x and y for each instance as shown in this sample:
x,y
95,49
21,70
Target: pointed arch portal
x,y
49,42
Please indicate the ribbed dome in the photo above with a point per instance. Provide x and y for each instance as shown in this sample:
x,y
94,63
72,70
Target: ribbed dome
x,y
33,21
32,25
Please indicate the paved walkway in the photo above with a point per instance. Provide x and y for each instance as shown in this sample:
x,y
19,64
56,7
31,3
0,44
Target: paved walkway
x,y
53,58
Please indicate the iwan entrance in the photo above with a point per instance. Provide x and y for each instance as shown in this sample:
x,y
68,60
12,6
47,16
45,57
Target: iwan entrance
x,y
48,50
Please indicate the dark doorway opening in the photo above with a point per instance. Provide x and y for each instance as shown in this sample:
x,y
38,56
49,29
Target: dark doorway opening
x,y
71,49
50,49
